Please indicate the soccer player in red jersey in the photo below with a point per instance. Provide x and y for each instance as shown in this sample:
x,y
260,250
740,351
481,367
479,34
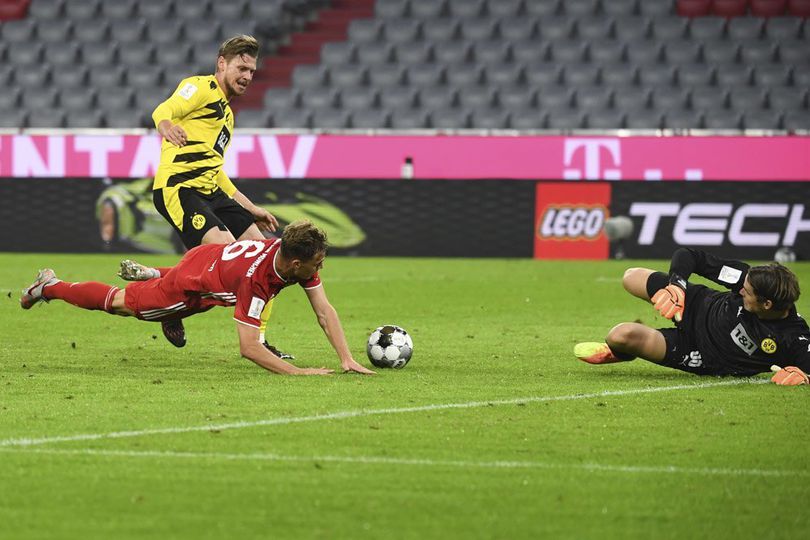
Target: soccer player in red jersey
x,y
245,274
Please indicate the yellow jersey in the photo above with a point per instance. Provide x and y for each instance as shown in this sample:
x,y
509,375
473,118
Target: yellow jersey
x,y
199,106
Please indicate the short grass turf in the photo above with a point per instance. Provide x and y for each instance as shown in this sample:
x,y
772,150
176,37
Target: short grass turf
x,y
542,446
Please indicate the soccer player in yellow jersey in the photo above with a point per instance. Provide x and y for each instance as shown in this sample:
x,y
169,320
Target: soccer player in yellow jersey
x,y
191,190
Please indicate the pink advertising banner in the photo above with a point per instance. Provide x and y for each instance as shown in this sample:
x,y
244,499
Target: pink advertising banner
x,y
432,156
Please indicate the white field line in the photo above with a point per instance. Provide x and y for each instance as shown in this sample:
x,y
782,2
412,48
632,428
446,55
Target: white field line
x,y
5,443
372,460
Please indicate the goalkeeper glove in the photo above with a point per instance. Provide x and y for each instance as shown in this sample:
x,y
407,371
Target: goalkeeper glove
x,y
670,302
790,376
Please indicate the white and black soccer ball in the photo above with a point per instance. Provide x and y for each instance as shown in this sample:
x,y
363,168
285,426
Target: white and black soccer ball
x,y
389,346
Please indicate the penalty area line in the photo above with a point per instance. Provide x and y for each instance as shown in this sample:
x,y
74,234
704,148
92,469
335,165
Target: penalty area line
x,y
6,443
374,460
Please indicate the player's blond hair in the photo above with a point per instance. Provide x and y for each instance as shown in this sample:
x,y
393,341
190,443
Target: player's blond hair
x,y
303,240
776,283
239,45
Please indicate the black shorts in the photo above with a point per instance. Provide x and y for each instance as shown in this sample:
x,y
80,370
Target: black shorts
x,y
197,213
682,351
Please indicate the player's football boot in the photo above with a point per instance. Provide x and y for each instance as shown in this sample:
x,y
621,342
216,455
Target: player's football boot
x,y
134,271
280,354
596,353
32,295
175,332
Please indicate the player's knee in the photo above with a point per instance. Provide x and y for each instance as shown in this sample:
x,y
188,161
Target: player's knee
x,y
630,277
621,335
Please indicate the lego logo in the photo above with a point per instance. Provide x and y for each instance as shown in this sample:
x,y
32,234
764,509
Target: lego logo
x,y
572,223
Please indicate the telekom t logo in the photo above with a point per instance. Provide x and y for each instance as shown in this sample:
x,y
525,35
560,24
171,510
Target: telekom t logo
x,y
592,149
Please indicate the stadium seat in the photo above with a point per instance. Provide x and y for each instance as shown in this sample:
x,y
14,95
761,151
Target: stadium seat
x,y
643,119
401,30
568,51
428,9
46,9
463,74
386,75
452,52
499,75
783,27
517,28
768,8
682,52
81,9
413,53
633,28
554,28
581,75
593,97
656,9
733,75
337,53
91,31
477,97
127,31
33,76
358,98
744,28
762,120
437,97
364,30
580,8
191,9
801,78
144,77
478,29
13,118
656,75
106,77
440,30
722,119
54,31
705,28
115,101
529,51
527,119
799,121
554,98
18,31
757,52
9,100
201,31
542,74
254,119
794,53
606,52
139,53
291,118
695,75
708,98
421,75
127,119
46,118
492,52
745,98
504,8
605,119
84,119
626,98
38,98
619,75
729,8
543,8
230,28
281,98
62,54
348,76
593,28
720,53
232,10
319,98
683,120
489,119
465,8
72,100
667,98
309,76
621,8
773,75
154,9
373,54
566,119
644,53
799,8
120,9
391,9
330,118
409,119
668,28
399,97
449,119
516,97
369,119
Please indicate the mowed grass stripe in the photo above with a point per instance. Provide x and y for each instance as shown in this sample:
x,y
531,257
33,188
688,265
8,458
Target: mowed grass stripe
x,y
23,442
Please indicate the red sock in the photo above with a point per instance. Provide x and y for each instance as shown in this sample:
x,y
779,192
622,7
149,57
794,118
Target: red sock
x,y
163,270
87,295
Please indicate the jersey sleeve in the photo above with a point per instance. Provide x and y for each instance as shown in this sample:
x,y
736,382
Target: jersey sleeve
x,y
312,283
799,353
187,97
729,273
225,183
251,299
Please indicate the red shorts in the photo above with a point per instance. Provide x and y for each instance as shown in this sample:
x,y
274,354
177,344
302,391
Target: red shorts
x,y
154,300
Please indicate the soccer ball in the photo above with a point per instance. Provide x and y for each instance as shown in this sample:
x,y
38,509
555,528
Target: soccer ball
x,y
389,346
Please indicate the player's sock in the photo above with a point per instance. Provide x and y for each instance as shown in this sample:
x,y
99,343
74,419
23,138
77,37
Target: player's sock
x,y
599,353
162,270
87,295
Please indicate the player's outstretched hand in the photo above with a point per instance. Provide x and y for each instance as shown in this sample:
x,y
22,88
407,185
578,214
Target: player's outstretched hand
x,y
670,302
789,376
315,371
265,221
173,133
353,367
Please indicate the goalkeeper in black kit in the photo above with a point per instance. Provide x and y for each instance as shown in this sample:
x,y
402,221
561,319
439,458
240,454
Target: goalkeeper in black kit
x,y
752,328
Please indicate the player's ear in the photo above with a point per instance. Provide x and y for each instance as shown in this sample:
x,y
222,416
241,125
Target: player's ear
x,y
767,304
221,63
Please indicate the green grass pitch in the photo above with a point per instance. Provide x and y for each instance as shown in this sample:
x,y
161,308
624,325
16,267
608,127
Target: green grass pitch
x,y
494,430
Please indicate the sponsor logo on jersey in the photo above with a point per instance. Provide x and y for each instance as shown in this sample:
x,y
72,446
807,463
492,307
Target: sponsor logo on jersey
x,y
187,91
222,141
256,307
768,345
741,338
198,221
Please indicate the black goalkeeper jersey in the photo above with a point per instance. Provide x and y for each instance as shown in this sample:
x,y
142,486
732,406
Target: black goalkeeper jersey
x,y
725,333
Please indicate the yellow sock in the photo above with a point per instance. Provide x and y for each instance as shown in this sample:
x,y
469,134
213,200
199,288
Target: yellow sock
x,y
268,308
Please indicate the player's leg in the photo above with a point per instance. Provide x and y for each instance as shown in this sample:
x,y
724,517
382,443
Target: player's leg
x,y
624,342
90,295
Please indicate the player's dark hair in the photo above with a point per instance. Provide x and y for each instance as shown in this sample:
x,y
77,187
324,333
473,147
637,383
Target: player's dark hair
x,y
303,240
239,45
776,283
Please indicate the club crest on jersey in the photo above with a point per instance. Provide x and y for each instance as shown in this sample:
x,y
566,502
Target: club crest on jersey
x,y
768,345
198,221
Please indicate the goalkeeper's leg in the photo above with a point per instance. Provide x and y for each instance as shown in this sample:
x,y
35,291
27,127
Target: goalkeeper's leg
x,y
624,342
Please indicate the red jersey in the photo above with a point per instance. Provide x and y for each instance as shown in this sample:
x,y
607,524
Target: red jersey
x,y
241,274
